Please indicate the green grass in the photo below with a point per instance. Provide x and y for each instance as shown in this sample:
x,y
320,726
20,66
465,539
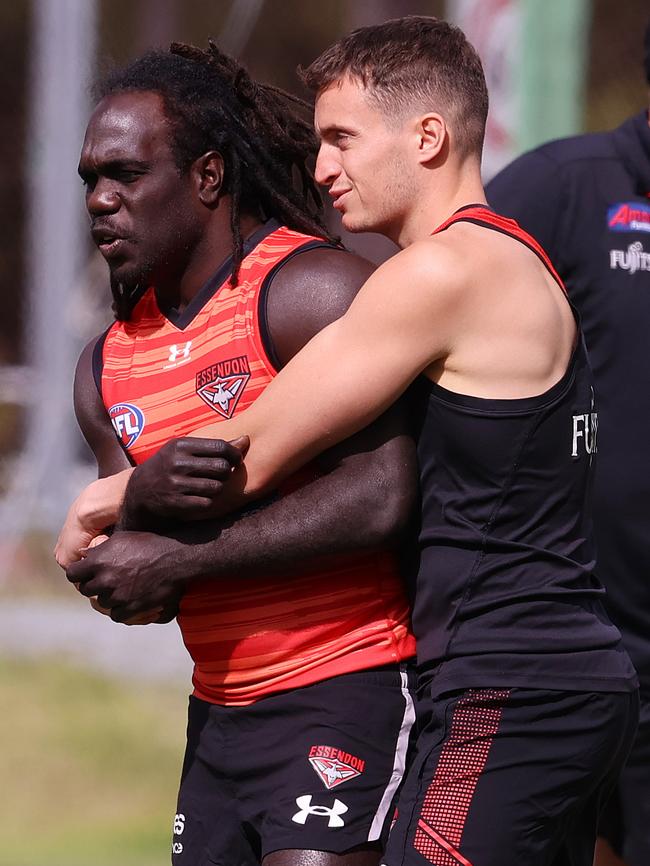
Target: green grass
x,y
89,767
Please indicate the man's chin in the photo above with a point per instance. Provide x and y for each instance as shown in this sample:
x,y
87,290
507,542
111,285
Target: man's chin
x,y
355,223
128,274
127,281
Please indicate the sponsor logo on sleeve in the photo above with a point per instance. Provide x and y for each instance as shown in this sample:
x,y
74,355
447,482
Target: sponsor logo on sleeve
x,y
334,766
221,385
633,259
629,216
127,421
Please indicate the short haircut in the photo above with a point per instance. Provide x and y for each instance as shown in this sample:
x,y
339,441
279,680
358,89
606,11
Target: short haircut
x,y
416,60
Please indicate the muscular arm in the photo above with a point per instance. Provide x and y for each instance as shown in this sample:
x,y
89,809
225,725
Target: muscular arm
x,y
360,499
348,374
94,509
362,502
361,495
343,379
90,515
363,489
92,418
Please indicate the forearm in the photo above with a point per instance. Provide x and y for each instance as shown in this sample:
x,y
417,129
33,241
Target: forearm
x,y
304,412
99,505
367,507
96,508
279,445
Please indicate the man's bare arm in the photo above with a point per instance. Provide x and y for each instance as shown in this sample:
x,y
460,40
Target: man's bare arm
x,y
92,511
344,378
360,499
400,323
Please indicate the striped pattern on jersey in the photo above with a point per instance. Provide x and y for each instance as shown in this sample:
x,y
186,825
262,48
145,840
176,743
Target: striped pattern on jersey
x,y
254,636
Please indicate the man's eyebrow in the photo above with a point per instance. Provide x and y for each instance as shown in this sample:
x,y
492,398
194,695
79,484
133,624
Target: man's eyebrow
x,y
117,164
333,129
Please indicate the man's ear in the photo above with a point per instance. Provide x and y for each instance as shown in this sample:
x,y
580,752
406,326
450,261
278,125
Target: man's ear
x,y
432,135
207,171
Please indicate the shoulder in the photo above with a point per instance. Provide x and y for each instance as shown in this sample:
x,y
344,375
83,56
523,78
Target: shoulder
x,y
579,148
88,357
326,278
87,397
569,154
309,292
540,188
88,376
424,281
438,262
90,362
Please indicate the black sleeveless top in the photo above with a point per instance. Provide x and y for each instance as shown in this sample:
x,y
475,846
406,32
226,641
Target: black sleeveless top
x,y
506,589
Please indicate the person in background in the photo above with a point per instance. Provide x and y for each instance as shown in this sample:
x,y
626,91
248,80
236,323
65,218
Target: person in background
x,y
586,199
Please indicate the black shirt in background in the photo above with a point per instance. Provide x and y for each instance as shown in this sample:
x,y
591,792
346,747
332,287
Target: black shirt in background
x,y
586,200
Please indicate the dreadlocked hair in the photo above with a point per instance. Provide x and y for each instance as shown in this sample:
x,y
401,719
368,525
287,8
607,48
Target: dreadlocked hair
x,y
212,103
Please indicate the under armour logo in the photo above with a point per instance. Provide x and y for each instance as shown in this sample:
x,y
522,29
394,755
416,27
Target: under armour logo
x,y
176,353
333,814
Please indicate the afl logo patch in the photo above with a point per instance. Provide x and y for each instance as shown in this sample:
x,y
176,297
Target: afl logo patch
x,y
127,421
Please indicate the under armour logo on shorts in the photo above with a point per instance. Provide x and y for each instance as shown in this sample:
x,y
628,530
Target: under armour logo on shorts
x,y
333,814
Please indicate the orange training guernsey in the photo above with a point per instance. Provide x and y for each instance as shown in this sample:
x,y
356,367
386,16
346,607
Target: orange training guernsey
x,y
165,376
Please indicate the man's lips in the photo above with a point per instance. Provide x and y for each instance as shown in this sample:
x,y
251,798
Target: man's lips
x,y
337,198
108,241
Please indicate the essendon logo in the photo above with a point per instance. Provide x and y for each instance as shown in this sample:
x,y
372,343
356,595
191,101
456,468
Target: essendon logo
x,y
334,766
222,384
629,217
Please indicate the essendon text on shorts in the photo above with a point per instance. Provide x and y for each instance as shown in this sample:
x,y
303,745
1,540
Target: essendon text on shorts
x,y
337,755
223,370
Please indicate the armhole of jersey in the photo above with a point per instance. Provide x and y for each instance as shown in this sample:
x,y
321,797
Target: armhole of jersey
x,y
533,247
262,302
98,360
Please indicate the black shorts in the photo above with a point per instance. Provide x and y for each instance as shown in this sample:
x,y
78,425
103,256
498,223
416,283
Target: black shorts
x,y
315,768
511,778
625,823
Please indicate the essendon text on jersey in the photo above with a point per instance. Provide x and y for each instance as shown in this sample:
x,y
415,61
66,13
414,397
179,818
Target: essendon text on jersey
x,y
337,755
629,217
223,370
221,384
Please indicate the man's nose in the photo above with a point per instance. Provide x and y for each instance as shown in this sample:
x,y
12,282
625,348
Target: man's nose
x,y
327,165
102,198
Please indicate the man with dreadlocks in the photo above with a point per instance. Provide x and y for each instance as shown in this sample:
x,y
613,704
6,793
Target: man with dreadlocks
x,y
296,620
529,702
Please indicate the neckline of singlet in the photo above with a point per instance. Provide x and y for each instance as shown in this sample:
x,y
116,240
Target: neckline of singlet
x,y
206,292
487,218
